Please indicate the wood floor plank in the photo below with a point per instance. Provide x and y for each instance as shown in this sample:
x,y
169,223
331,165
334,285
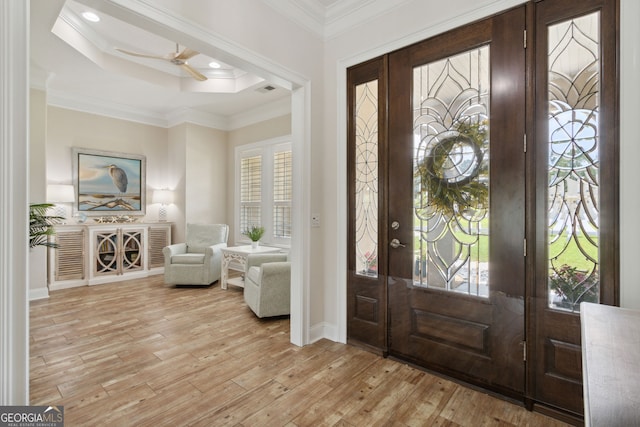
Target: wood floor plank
x,y
146,354
284,409
244,406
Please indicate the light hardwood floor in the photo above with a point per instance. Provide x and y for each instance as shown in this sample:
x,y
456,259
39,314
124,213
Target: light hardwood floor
x,y
139,353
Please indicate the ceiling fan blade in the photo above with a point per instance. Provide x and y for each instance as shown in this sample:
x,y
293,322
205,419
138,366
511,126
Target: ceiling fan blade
x,y
186,54
195,74
141,55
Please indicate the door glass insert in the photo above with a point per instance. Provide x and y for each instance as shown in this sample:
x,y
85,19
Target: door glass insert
x,y
366,179
451,173
573,202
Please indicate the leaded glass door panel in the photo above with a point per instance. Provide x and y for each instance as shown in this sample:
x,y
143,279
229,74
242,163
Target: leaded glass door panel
x,y
366,290
456,170
576,187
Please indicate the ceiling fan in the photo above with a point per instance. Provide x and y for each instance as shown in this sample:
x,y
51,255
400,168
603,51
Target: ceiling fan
x,y
178,58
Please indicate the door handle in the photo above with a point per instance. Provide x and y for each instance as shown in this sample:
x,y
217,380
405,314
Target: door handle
x,y
395,243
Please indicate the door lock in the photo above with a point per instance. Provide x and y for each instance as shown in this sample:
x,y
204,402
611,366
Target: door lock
x,y
395,243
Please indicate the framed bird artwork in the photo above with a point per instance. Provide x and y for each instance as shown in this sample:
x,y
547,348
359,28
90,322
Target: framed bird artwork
x,y
108,182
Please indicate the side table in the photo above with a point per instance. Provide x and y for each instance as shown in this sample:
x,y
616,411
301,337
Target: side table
x,y
239,254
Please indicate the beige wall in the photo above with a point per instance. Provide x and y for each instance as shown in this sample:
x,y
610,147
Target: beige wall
x,y
194,161
176,179
206,186
67,129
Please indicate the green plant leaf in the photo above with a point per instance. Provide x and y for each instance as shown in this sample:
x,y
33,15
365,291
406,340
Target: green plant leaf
x,y
41,225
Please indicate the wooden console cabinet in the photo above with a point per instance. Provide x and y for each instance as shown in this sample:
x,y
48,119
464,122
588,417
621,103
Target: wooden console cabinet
x,y
93,254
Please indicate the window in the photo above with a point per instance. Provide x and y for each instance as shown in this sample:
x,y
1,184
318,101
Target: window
x,y
264,190
250,191
282,194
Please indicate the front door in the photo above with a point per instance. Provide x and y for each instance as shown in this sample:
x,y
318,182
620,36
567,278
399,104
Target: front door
x,y
471,242
456,203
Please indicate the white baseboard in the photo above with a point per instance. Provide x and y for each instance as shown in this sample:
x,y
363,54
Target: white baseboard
x,y
40,293
67,284
323,330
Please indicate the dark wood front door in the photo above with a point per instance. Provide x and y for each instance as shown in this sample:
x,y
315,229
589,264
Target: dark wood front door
x,y
483,198
456,203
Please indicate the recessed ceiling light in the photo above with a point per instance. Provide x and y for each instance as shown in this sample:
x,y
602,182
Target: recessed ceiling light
x,y
90,16
214,65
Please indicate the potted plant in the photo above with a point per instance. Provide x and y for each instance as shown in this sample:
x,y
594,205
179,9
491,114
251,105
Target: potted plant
x,y
41,225
254,233
574,286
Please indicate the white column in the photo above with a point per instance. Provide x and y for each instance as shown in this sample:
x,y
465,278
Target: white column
x,y
14,247
629,152
300,242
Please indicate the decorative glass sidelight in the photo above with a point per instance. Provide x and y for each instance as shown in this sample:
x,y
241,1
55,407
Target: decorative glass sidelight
x,y
366,179
573,203
451,173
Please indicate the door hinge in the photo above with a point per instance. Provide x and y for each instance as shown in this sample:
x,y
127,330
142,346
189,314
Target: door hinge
x,y
524,351
524,41
524,246
525,142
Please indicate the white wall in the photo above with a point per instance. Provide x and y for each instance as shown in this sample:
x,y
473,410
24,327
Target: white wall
x,y
629,153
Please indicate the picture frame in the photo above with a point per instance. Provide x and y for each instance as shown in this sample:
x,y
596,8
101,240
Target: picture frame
x,y
109,183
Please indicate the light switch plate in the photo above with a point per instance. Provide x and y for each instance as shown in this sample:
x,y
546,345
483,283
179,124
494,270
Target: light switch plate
x,y
315,220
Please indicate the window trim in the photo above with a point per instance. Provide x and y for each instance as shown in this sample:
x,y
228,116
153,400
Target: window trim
x,y
266,148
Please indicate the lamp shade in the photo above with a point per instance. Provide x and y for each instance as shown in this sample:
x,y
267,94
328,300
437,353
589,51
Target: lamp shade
x,y
60,193
164,197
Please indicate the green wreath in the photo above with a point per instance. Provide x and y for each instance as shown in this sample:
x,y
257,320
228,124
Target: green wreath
x,y
450,195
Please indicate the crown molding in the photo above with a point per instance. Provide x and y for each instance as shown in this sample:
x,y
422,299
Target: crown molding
x,y
148,15
151,17
38,78
329,22
268,111
342,16
107,109
188,115
307,13
100,50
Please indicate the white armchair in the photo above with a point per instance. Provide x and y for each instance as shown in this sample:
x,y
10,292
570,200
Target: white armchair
x,y
197,261
267,284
